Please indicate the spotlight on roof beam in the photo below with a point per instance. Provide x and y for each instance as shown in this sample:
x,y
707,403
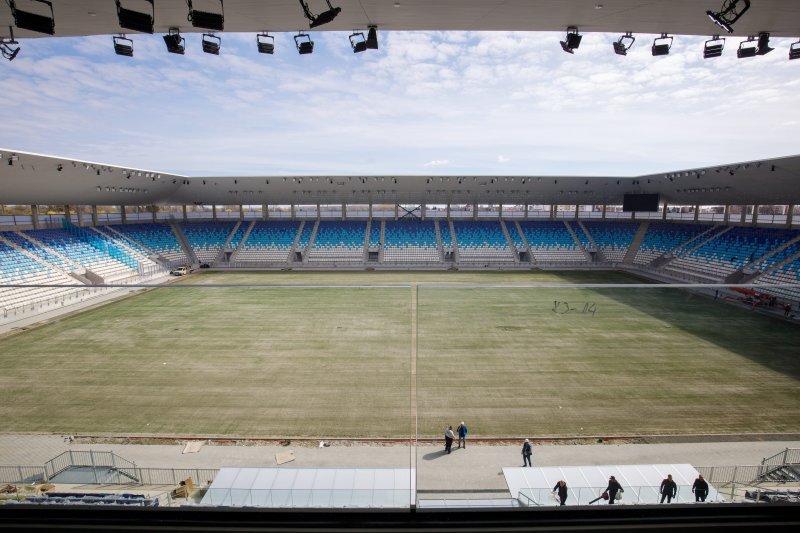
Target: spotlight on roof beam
x,y
747,48
727,16
174,41
358,43
123,46
136,20
204,19
7,46
623,44
763,44
265,43
372,38
323,18
713,47
304,43
211,43
572,41
794,50
33,21
662,45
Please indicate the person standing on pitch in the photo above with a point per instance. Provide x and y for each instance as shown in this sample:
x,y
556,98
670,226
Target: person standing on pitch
x,y
561,488
669,489
700,489
527,451
448,438
462,435
613,488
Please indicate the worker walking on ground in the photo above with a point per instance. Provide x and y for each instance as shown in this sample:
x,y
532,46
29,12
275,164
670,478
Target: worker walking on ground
x,y
700,489
669,489
613,489
527,451
462,435
561,489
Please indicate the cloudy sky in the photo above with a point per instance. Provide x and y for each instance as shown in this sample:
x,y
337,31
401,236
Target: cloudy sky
x,y
425,103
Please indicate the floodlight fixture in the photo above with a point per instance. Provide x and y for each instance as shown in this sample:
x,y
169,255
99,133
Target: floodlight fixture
x,y
358,42
265,43
211,43
623,44
713,47
323,18
136,20
572,41
123,46
763,44
794,50
662,45
304,43
205,19
33,21
372,38
747,48
175,43
727,16
7,48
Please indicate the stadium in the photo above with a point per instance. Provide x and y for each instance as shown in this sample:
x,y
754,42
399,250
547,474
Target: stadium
x,y
286,350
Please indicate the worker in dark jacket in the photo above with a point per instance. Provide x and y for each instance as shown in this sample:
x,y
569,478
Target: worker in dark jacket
x,y
669,489
561,488
613,488
700,489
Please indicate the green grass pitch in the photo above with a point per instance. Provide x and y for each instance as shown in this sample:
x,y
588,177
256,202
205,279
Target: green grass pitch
x,y
337,361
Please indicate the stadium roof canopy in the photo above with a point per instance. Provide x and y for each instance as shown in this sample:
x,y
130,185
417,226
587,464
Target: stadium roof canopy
x,y
682,17
38,179
30,178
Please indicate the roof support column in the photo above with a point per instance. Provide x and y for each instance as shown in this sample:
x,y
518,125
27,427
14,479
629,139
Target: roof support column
x,y
94,215
318,212
790,216
577,208
153,211
241,212
501,212
475,211
604,212
743,217
396,211
35,216
664,213
79,213
448,211
552,212
422,211
344,211
292,212
214,211
370,211
526,210
696,212
264,211
66,214
184,212
755,214
123,214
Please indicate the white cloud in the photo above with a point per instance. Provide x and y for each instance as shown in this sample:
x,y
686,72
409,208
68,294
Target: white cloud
x,y
469,95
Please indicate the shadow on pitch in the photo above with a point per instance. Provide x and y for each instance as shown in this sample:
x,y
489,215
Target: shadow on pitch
x,y
433,455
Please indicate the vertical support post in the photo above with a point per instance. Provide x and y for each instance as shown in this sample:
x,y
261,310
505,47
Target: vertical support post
x,y
154,212
552,212
755,214
475,211
501,212
241,212
696,212
790,216
603,217
184,212
344,211
94,215
726,215
744,214
264,211
319,215
526,210
370,211
94,469
396,211
123,214
214,211
79,213
664,212
422,211
35,216
292,212
448,211
577,208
